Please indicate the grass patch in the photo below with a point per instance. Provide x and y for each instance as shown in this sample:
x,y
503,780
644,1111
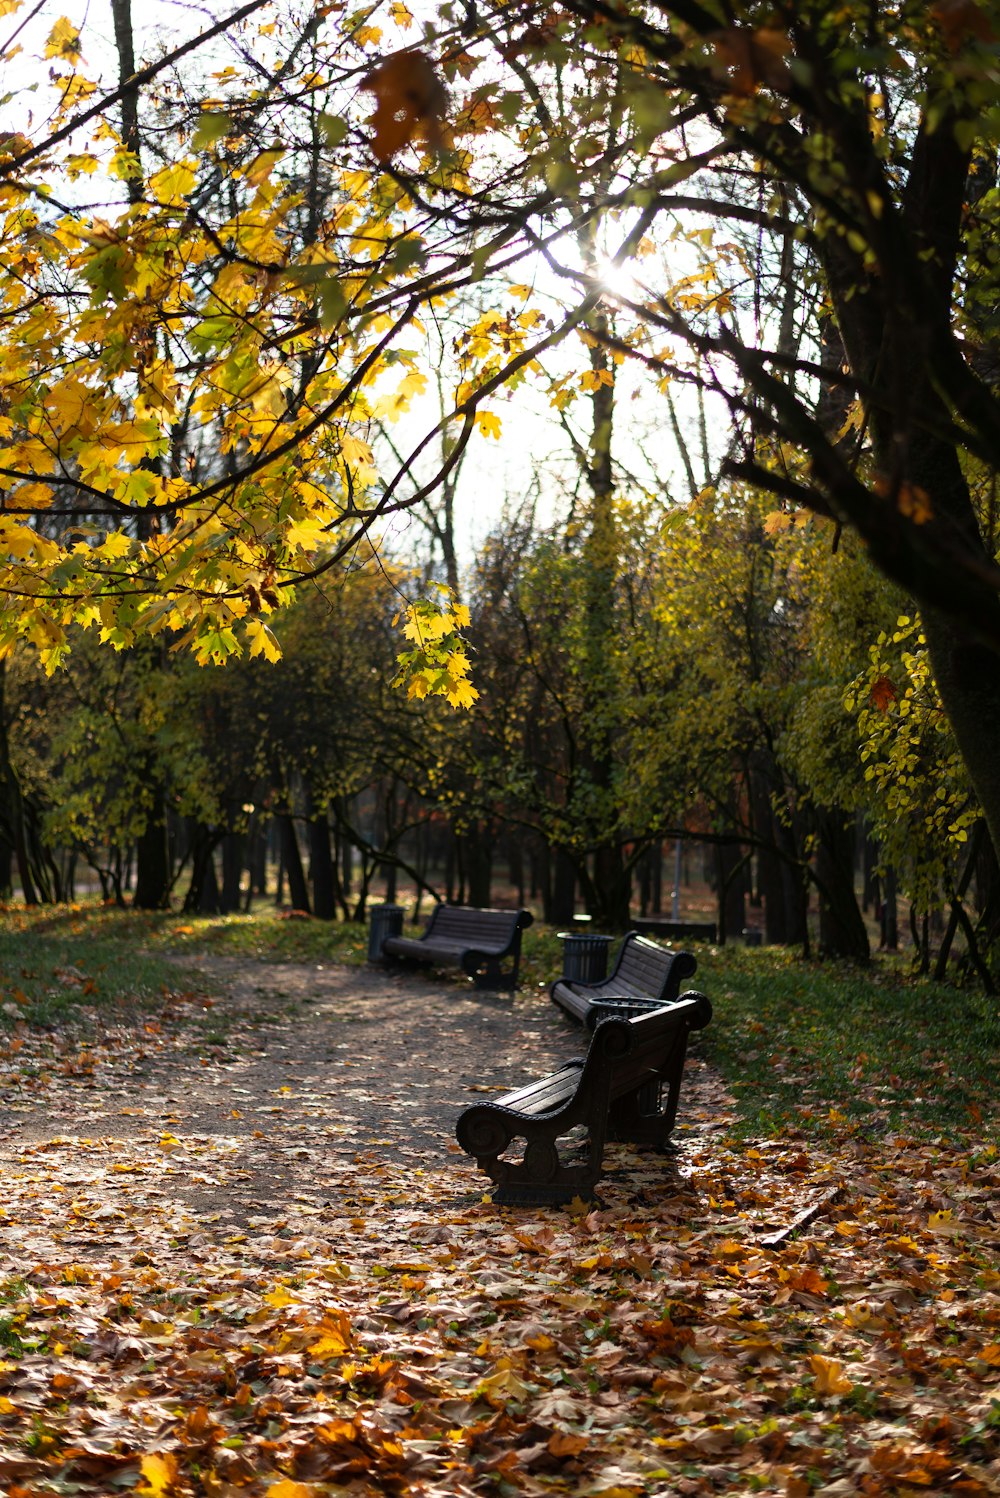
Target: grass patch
x,y
824,1045
61,965
266,935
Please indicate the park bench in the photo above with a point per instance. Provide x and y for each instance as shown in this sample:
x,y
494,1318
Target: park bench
x,y
477,941
645,974
626,1088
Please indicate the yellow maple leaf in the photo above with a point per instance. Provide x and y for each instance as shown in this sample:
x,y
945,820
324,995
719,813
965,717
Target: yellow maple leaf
x,y
287,1487
116,545
504,1386
461,694
33,496
330,1346
262,641
279,1298
159,1472
64,40
829,1375
488,423
261,169
335,1270
171,185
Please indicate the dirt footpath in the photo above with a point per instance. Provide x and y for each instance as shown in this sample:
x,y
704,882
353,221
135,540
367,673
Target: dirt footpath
x,y
325,1076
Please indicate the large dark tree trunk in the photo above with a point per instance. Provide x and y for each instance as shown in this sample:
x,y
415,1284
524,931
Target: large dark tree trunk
x,y
322,873
291,858
257,858
655,857
842,931
515,868
780,881
209,894
730,873
477,851
889,918
609,892
12,806
203,895
889,344
233,863
562,897
152,855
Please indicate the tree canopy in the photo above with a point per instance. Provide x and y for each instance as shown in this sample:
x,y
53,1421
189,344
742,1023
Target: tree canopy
x,y
221,266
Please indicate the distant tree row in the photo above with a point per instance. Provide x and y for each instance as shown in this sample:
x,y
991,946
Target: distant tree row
x,y
753,691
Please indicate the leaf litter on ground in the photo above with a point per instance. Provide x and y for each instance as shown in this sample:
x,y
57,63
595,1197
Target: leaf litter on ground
x,y
265,1270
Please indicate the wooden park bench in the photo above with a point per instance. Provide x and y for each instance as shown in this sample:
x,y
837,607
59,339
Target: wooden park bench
x,y
644,974
626,1088
477,941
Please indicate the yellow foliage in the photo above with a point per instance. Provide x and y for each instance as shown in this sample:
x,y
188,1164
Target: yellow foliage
x,y
488,423
64,40
159,1474
829,1376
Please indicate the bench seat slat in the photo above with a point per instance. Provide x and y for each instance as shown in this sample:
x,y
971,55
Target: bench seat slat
x,y
541,1097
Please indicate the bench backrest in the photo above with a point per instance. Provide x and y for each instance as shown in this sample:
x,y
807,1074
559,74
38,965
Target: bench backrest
x,y
652,969
626,1052
467,923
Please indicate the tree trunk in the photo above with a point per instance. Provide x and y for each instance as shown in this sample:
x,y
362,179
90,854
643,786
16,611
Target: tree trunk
x,y
477,848
209,896
202,896
11,803
656,889
346,865
730,868
291,858
515,868
562,904
152,855
233,860
842,930
611,889
321,867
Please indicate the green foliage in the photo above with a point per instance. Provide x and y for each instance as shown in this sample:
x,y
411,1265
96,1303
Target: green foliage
x,y
920,802
437,664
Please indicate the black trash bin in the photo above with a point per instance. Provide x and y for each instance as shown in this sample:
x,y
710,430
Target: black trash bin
x,y
585,958
383,921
